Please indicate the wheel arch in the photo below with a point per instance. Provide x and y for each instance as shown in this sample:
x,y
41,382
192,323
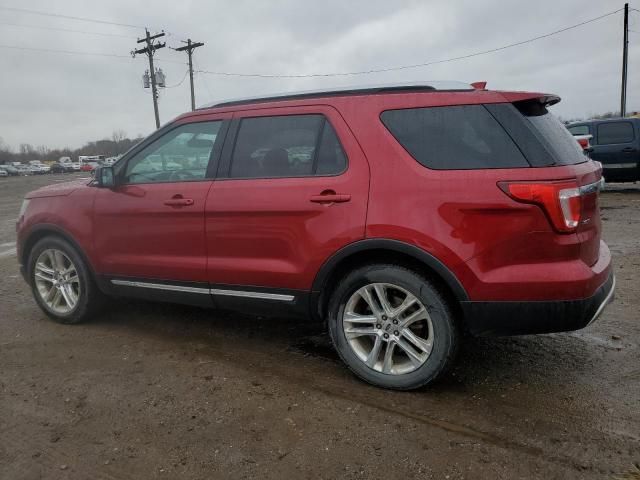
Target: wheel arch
x,y
41,231
386,251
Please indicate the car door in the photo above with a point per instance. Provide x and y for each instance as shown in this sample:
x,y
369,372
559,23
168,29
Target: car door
x,y
292,189
149,228
616,145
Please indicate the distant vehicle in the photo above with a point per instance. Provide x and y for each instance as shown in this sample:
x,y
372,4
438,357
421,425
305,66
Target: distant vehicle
x,y
24,169
59,167
3,173
10,169
89,166
64,160
402,216
90,158
39,167
111,160
616,144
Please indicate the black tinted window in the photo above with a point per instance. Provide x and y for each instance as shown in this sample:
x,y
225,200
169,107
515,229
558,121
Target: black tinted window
x,y
459,137
615,132
551,132
286,146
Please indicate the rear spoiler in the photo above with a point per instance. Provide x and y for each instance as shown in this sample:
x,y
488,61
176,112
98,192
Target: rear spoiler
x,y
545,99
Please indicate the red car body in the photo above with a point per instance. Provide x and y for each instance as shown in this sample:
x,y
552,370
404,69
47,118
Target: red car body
x,y
498,255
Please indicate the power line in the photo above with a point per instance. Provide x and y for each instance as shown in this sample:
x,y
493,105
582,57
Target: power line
x,y
180,82
417,65
67,30
68,52
69,17
337,74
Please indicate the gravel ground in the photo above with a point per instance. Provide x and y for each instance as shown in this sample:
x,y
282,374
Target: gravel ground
x,y
164,391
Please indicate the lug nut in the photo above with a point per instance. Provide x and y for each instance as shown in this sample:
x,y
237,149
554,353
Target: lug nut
x,y
396,333
395,322
386,335
378,326
384,317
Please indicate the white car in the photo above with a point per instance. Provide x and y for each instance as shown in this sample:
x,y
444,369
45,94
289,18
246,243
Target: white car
x,y
3,173
39,167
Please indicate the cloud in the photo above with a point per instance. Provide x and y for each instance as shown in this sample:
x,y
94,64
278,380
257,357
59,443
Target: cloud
x,y
65,100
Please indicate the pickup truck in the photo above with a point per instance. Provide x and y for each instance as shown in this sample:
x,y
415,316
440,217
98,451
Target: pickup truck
x,y
615,143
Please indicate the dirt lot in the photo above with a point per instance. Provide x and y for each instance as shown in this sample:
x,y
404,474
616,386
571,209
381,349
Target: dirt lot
x,y
162,391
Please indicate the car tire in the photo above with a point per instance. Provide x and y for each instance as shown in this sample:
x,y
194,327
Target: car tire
x,y
422,351
61,282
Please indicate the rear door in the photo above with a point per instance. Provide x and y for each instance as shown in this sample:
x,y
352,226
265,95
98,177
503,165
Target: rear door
x,y
616,144
292,189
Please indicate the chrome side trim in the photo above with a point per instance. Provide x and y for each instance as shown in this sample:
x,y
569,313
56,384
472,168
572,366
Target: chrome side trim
x,y
604,303
160,286
261,295
213,291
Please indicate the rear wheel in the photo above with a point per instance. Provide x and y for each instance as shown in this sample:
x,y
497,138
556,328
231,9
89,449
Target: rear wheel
x,y
61,282
392,327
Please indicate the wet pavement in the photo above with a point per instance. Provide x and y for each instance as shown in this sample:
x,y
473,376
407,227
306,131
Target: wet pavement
x,y
167,391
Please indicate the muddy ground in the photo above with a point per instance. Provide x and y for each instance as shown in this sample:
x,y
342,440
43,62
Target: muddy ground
x,y
162,391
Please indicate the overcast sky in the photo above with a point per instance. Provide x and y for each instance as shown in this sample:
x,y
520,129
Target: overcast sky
x,y
62,100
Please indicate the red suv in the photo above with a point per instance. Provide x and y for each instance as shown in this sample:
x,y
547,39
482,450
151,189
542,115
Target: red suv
x,y
400,215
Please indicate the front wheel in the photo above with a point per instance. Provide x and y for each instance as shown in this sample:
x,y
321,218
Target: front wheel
x,y
392,327
62,284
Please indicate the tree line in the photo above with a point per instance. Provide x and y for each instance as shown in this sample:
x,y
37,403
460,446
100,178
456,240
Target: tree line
x,y
109,147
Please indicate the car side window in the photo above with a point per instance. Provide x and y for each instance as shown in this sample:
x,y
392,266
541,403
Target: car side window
x,y
286,146
611,133
579,130
180,155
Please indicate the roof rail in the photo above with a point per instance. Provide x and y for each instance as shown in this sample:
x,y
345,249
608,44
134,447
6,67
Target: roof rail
x,y
437,86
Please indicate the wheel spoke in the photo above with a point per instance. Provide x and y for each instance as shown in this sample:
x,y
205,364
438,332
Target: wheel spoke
x,y
365,293
421,343
59,260
419,314
381,293
357,318
407,303
355,332
41,267
41,276
372,358
55,302
416,359
387,363
69,295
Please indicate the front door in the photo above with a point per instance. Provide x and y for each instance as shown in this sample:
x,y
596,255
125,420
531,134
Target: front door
x,y
151,225
292,189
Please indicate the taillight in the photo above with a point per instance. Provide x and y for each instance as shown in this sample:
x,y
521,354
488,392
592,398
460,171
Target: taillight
x,y
561,201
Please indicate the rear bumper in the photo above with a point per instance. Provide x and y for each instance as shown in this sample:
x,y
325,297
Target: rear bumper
x,y
522,318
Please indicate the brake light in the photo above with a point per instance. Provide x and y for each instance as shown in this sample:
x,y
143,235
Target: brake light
x,y
561,201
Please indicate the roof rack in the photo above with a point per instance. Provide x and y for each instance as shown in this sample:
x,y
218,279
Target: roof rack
x,y
437,86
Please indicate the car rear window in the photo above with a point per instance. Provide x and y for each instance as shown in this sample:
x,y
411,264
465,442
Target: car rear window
x,y
459,137
564,149
615,132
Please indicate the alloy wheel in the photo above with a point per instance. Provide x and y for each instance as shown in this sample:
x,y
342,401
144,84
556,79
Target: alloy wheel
x,y
57,281
388,328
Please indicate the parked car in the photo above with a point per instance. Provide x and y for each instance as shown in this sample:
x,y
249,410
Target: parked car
x,y
38,167
3,173
585,143
61,167
616,144
10,169
399,215
24,169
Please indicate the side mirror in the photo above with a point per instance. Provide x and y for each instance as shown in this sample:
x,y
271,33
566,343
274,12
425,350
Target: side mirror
x,y
105,177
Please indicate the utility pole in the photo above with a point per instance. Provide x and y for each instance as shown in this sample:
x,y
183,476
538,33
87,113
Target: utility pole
x,y
149,50
189,48
625,54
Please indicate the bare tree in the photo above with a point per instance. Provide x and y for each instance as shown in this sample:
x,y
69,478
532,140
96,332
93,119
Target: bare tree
x,y
118,135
